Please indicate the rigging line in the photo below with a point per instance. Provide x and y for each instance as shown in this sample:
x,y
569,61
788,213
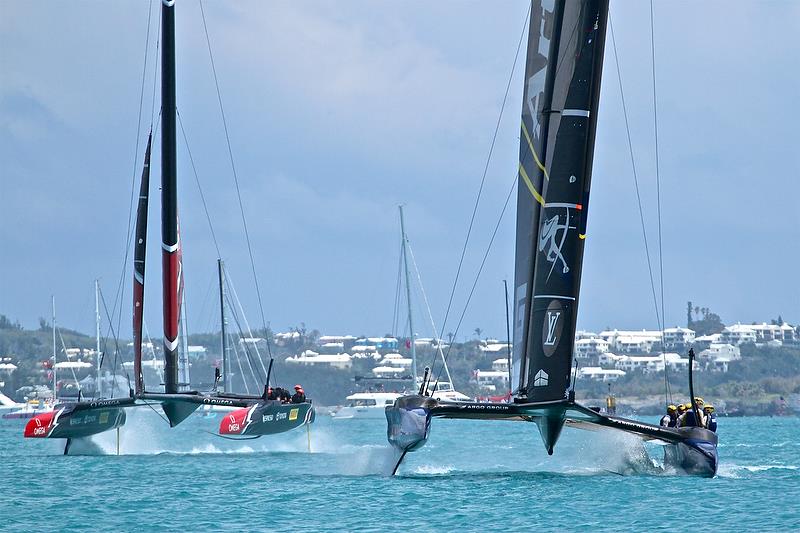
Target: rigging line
x,y
430,315
120,293
248,356
478,275
229,281
235,180
201,315
635,177
658,197
255,375
485,172
150,405
116,346
242,338
197,181
64,348
155,69
153,357
239,363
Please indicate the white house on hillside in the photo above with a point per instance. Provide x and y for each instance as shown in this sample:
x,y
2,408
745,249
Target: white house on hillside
x,y
631,342
590,347
678,338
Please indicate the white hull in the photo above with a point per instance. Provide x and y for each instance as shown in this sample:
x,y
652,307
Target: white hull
x,y
373,412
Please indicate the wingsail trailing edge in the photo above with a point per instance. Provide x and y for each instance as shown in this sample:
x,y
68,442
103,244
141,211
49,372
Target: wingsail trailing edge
x,y
250,415
557,137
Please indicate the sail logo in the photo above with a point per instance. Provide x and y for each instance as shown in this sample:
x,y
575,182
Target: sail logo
x,y
552,325
541,24
540,379
552,322
552,237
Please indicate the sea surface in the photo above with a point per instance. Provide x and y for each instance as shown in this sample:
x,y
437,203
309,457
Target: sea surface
x,y
471,476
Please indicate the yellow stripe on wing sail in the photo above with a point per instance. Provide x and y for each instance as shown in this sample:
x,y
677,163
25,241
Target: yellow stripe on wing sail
x,y
535,155
528,182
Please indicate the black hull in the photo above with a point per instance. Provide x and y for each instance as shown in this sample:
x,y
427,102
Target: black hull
x,y
266,418
692,451
697,456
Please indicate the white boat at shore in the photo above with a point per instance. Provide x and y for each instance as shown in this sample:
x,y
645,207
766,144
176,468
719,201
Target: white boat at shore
x,y
28,410
444,391
366,405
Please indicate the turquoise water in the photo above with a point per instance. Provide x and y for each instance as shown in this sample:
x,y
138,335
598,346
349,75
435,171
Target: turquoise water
x,y
472,476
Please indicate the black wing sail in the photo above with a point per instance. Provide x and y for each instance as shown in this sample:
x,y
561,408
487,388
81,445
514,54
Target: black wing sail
x,y
532,173
559,242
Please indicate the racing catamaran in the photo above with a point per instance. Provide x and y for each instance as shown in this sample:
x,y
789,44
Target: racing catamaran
x,y
559,118
251,415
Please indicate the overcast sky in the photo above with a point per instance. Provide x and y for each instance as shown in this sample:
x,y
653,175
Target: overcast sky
x,y
340,111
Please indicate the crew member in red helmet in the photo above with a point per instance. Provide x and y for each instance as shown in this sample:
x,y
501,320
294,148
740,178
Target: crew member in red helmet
x,y
299,395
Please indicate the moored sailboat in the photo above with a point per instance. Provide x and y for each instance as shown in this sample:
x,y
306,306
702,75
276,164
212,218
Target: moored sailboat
x,y
559,117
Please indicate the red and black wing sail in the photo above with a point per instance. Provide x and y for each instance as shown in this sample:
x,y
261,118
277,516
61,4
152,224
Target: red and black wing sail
x,y
170,241
139,257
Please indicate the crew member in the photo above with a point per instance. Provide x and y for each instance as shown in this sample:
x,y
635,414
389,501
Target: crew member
x,y
698,401
271,394
688,419
711,418
284,396
671,418
299,395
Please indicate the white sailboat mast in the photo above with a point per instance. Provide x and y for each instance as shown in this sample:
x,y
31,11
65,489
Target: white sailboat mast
x,y
55,381
408,299
99,387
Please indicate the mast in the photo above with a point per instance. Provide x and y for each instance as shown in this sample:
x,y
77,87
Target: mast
x,y
221,271
408,298
170,243
572,92
55,381
99,388
139,259
508,335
